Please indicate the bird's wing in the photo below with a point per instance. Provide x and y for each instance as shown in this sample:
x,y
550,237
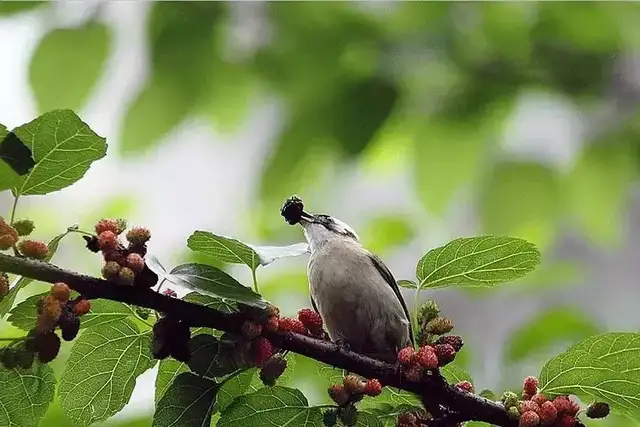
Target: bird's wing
x,y
388,277
313,304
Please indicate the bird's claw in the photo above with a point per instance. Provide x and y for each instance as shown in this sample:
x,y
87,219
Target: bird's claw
x,y
342,345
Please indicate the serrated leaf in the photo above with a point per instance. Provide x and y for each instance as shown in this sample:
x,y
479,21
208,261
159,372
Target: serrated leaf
x,y
233,387
602,367
392,396
63,147
223,248
454,374
15,158
409,284
366,419
66,65
546,329
477,261
212,281
218,304
24,315
271,406
102,369
25,395
212,357
168,370
7,302
188,402
619,350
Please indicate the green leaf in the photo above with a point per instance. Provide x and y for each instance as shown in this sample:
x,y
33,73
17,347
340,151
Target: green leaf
x,y
387,232
477,261
521,199
409,284
271,406
212,357
223,248
619,350
597,187
183,54
66,65
555,325
156,110
218,304
188,402
488,394
25,394
604,367
24,315
63,147
7,302
168,370
236,385
102,370
12,7
441,147
386,413
210,280
366,419
392,396
454,374
361,108
15,158
580,373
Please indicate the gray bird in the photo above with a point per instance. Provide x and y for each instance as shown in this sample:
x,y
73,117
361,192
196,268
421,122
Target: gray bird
x,y
351,288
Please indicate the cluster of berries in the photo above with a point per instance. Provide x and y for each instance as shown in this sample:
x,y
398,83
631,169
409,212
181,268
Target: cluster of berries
x,y
54,310
345,395
10,235
308,322
123,264
535,409
432,324
411,419
353,389
417,363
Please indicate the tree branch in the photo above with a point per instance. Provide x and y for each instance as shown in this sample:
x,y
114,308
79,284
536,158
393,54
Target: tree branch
x,y
433,389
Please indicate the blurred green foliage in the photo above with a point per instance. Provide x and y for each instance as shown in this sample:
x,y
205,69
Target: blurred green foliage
x,y
421,87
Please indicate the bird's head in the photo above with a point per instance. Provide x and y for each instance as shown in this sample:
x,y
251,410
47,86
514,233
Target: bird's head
x,y
318,228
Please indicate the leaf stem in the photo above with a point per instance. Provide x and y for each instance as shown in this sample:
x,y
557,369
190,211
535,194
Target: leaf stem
x,y
13,209
255,281
416,311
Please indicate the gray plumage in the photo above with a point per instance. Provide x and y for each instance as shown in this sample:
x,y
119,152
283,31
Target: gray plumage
x,y
354,292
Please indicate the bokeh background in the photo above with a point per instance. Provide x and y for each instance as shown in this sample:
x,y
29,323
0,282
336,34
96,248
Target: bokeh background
x,y
414,122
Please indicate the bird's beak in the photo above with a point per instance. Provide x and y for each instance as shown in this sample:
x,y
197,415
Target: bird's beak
x,y
306,216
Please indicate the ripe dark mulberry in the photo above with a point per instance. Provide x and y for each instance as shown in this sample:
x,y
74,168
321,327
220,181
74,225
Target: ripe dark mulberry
x,y
69,324
273,369
48,346
445,352
453,340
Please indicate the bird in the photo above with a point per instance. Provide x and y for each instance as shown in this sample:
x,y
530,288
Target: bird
x,y
351,288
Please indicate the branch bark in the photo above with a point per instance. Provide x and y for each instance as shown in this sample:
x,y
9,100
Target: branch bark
x,y
433,389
